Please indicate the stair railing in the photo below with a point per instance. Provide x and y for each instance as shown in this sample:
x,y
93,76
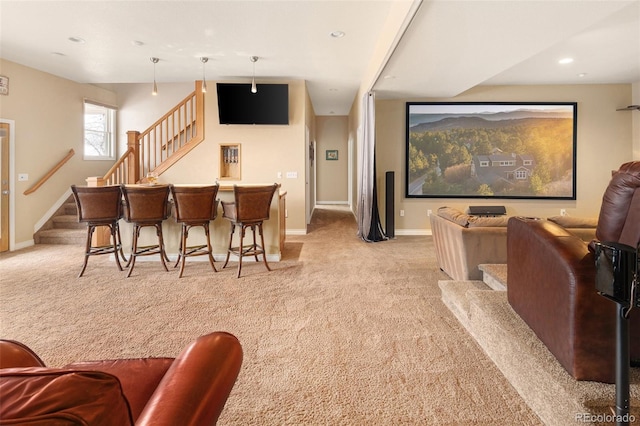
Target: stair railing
x,y
163,143
50,173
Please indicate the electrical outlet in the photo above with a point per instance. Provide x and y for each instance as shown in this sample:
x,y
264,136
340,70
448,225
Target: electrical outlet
x,y
279,175
429,212
401,213
563,212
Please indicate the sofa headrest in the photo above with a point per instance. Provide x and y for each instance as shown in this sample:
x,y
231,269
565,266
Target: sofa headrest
x,y
619,219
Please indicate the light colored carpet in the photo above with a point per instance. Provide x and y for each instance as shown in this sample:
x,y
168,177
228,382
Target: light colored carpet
x,y
548,389
341,332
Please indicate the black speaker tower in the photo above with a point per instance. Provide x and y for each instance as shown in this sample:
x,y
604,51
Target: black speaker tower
x,y
389,216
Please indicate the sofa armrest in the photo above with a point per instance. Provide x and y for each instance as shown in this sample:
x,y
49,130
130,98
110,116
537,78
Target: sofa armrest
x,y
198,383
14,354
551,286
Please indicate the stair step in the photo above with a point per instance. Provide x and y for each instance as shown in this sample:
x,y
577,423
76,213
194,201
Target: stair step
x,y
71,208
62,236
494,275
67,221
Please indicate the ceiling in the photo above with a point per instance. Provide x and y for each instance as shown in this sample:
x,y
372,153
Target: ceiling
x,y
444,48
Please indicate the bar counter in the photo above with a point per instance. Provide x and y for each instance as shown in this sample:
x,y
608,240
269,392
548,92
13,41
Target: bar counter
x,y
274,229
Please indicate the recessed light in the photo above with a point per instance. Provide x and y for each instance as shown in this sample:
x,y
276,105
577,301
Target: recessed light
x,y
565,61
76,39
582,74
137,43
337,34
389,77
58,54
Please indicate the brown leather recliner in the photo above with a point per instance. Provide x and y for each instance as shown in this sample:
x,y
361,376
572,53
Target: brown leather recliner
x,y
191,389
551,282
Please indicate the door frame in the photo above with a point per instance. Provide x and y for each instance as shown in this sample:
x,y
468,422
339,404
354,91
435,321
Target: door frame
x,y
12,182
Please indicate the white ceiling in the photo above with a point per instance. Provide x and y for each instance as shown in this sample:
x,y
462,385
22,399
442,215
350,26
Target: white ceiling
x,y
449,47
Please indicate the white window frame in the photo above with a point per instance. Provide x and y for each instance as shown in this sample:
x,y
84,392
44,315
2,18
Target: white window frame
x,y
108,132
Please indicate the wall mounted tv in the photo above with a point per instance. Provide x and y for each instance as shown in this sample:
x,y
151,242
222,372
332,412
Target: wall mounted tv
x,y
491,150
237,105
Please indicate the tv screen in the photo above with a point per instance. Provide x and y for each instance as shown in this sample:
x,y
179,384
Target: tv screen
x,y
491,150
237,105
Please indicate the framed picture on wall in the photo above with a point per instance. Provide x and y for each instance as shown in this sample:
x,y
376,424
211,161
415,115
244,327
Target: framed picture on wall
x,y
491,150
332,154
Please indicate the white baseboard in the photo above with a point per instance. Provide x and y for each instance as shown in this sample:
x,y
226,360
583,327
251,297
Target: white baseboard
x,y
413,231
332,203
24,244
296,232
217,257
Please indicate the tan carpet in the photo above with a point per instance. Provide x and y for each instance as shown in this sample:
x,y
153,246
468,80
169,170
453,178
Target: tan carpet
x,y
341,332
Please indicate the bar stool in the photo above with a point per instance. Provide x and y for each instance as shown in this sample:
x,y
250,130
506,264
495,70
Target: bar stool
x,y
100,206
146,206
194,206
250,210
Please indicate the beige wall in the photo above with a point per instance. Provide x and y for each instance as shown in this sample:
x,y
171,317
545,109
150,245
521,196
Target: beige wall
x,y
332,134
604,141
48,116
635,117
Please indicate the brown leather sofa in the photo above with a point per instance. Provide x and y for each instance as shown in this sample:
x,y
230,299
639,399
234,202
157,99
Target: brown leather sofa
x,y
191,389
551,282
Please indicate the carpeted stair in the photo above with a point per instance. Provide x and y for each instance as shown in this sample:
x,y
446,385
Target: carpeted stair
x,y
523,358
63,227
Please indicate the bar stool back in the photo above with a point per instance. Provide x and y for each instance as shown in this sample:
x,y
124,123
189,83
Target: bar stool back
x,y
194,206
146,206
100,206
249,210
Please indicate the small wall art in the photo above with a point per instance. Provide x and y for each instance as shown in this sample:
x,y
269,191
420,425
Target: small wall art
x,y
332,154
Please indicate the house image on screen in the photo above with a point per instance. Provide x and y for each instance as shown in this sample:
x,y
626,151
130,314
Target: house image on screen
x,y
498,166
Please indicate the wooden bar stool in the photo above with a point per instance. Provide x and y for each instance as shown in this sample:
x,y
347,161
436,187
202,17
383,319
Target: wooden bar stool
x,y
194,206
146,206
249,210
100,206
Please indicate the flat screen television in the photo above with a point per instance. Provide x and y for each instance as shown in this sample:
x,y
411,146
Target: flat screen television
x,y
491,150
237,105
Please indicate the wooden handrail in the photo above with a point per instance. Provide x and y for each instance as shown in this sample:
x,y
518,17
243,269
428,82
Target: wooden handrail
x,y
51,172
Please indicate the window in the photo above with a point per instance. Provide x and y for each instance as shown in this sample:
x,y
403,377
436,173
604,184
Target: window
x,y
99,131
521,174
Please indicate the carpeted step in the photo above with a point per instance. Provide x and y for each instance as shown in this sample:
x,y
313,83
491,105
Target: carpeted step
x,y
494,275
62,236
67,221
454,295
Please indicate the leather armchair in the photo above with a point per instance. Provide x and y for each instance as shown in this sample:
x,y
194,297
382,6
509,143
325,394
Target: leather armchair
x,y
551,282
191,389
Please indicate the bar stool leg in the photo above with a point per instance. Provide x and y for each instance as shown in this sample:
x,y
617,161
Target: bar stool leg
x,y
210,250
163,254
182,253
134,249
255,244
264,251
241,250
114,236
87,249
117,226
233,228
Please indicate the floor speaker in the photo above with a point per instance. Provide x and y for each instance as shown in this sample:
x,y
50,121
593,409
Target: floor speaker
x,y
389,215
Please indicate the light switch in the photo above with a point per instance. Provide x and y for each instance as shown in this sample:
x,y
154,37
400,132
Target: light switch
x,y
292,175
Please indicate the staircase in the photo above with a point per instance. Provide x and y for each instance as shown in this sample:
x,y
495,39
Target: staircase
x,y
63,227
156,149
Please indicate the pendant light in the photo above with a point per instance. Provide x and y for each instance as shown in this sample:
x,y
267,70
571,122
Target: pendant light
x,y
155,86
254,88
204,79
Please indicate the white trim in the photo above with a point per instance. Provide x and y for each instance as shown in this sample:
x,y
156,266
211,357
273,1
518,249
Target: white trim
x,y
346,203
216,257
23,245
296,232
52,210
413,232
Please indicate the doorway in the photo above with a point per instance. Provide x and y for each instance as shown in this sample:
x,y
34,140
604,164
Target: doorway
x,y
5,137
